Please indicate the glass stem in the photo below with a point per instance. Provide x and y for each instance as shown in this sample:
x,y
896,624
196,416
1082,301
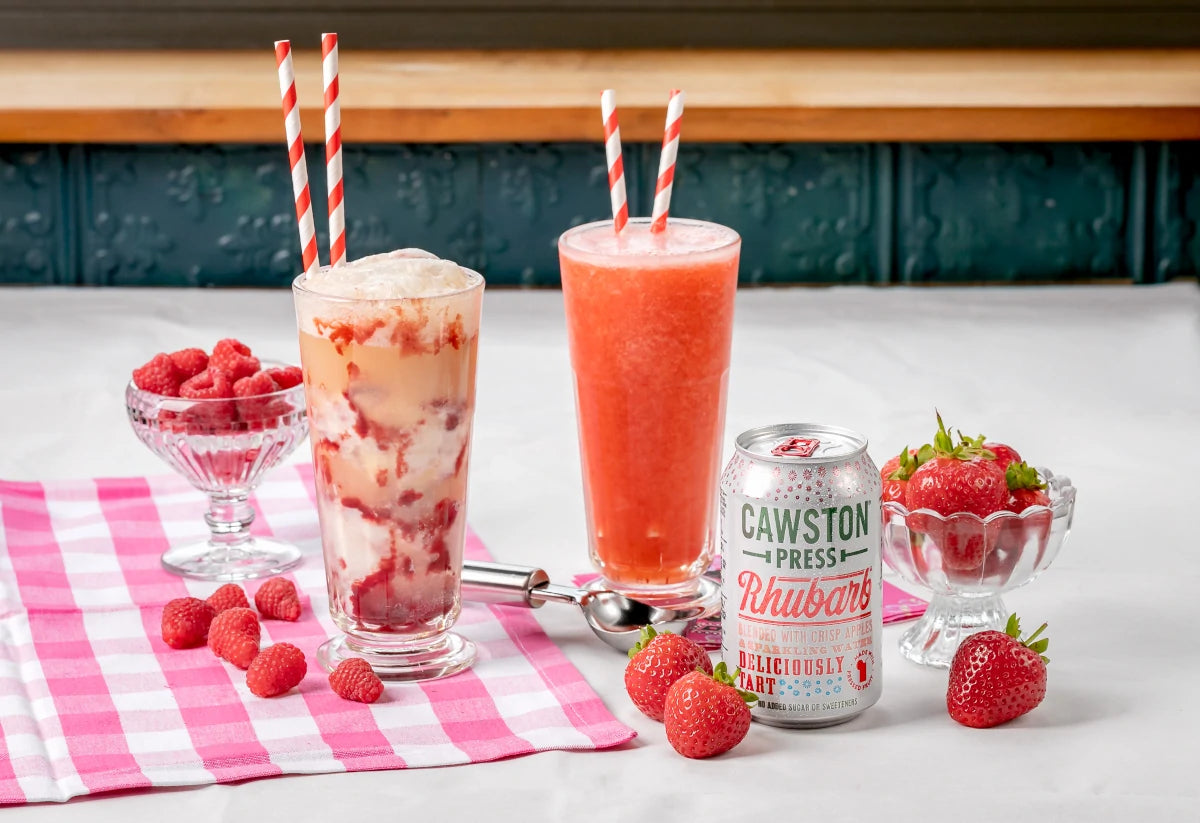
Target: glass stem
x,y
229,517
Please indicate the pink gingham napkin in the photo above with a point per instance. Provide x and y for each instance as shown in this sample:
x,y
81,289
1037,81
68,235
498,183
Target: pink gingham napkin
x,y
92,700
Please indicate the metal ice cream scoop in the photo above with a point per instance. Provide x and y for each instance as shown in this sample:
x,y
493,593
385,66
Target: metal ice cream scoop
x,y
615,619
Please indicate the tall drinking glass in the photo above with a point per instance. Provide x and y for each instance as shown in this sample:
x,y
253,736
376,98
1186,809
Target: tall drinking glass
x,y
388,346
650,319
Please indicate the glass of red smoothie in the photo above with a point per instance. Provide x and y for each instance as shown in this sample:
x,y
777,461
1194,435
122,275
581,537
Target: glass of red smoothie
x,y
388,346
650,320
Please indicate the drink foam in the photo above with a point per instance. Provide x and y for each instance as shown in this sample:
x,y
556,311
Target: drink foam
x,y
684,237
390,276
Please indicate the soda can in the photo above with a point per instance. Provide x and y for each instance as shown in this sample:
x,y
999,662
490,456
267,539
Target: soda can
x,y
801,599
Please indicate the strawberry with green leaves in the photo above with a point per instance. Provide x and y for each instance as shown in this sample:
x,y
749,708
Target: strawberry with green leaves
x,y
1025,487
997,676
707,714
899,470
655,663
959,477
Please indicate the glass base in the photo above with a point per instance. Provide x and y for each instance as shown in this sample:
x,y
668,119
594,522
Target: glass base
x,y
948,620
256,557
698,600
428,659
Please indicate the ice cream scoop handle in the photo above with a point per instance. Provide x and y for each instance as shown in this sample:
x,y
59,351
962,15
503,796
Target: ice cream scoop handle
x,y
502,583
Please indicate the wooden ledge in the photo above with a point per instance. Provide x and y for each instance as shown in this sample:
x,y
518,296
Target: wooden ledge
x,y
202,97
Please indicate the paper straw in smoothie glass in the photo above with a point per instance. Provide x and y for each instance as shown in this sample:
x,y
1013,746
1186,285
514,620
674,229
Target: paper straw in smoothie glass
x,y
616,168
666,163
333,149
291,128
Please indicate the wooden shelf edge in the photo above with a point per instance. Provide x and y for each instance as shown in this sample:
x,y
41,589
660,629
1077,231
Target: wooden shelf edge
x,y
570,124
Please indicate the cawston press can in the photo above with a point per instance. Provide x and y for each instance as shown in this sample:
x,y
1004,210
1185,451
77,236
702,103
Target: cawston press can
x,y
801,609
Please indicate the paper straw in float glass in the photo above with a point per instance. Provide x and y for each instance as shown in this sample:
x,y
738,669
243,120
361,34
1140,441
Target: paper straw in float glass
x,y
666,163
616,167
333,149
295,143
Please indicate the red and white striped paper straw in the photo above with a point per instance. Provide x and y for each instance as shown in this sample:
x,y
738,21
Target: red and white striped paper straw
x,y
666,163
333,149
291,128
616,168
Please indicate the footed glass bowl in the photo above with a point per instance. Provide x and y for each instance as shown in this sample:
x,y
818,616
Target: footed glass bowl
x,y
968,562
223,448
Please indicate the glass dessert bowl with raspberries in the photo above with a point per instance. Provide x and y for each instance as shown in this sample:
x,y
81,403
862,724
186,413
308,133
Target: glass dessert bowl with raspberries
x,y
221,421
968,519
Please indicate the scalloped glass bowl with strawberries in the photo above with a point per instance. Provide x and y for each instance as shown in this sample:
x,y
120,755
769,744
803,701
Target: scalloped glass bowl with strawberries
x,y
969,520
222,421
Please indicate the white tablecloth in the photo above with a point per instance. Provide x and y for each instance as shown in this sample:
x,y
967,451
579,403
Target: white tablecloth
x,y
1102,384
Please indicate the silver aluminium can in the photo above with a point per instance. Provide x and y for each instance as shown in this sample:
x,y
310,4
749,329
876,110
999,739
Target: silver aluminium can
x,y
801,600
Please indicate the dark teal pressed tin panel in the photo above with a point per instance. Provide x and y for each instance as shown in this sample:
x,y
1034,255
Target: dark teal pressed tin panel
x,y
807,213
1013,212
190,216
34,216
401,196
1176,244
532,193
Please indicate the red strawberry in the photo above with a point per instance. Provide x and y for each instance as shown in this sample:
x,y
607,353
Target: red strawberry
x,y
185,622
655,663
286,377
229,596
190,362
234,358
899,470
159,376
277,600
276,669
354,679
234,635
996,676
707,714
1004,454
958,478
1025,487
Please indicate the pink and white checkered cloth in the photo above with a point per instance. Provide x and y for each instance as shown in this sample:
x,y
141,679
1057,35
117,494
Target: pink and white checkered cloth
x,y
92,700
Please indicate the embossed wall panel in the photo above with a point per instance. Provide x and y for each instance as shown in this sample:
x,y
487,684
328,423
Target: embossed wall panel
x,y
532,193
401,196
1012,212
34,216
1176,229
806,212
188,215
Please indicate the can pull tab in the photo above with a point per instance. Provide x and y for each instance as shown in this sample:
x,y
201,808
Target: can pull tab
x,y
796,447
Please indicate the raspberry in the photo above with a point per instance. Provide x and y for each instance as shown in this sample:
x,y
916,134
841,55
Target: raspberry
x,y
159,376
354,679
233,358
233,636
276,669
277,600
208,417
207,385
229,596
190,362
286,377
185,622
257,384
